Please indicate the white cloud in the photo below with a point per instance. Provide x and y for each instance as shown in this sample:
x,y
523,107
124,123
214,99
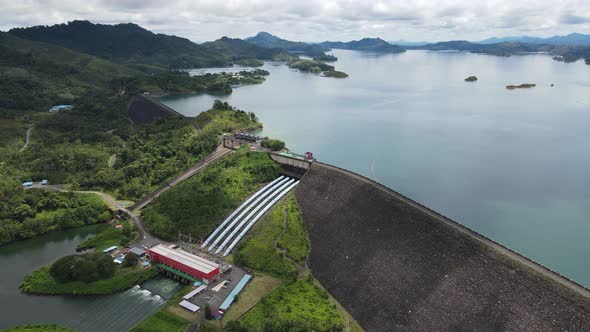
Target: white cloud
x,y
315,20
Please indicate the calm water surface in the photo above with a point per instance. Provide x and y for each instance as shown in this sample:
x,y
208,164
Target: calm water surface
x,y
117,312
512,165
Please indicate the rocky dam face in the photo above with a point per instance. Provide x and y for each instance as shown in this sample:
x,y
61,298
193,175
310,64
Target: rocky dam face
x,y
397,267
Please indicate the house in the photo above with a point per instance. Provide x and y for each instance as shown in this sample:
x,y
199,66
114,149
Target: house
x,y
58,108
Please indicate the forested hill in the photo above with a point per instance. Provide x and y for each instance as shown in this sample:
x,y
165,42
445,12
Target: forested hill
x,y
567,53
265,39
126,42
365,44
236,49
37,75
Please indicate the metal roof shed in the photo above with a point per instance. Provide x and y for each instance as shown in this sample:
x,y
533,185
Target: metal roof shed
x,y
232,295
109,249
137,251
194,292
187,305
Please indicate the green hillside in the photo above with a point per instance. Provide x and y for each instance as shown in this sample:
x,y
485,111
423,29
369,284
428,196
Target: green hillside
x,y
35,75
126,42
235,49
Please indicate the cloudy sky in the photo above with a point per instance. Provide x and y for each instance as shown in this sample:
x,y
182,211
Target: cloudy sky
x,y
316,20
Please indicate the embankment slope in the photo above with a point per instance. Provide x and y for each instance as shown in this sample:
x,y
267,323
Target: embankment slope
x,y
143,109
395,267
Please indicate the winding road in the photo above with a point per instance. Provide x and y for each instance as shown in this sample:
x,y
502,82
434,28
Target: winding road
x,y
147,239
27,139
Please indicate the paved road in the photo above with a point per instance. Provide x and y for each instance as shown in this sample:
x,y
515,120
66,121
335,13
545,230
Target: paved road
x,y
27,139
215,155
146,238
562,280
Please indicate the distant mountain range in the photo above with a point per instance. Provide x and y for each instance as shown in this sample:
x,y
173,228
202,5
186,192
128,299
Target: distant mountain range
x,y
566,53
571,39
365,44
265,39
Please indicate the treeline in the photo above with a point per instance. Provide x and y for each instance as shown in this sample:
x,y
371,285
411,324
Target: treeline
x,y
273,144
173,82
87,267
28,213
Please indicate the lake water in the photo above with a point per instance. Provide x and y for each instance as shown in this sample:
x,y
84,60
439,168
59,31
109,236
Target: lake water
x,y
512,165
117,312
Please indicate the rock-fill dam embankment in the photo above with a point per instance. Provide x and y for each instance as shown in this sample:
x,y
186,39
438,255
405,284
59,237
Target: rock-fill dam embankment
x,y
397,267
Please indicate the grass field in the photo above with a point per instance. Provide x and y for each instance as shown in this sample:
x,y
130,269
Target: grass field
x,y
42,283
167,318
278,242
162,320
260,286
110,236
299,306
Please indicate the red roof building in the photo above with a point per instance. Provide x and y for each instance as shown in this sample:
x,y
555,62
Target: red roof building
x,y
184,262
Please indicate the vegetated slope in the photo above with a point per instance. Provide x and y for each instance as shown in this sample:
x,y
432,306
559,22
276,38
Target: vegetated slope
x,y
27,213
125,42
278,245
36,75
365,44
265,39
236,49
198,204
395,268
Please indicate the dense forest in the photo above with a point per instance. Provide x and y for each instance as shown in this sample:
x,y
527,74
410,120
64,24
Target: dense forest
x,y
28,213
127,43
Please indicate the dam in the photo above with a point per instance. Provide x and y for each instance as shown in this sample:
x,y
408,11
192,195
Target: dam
x,y
398,266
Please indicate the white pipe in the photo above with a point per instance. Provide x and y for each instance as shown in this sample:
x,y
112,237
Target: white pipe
x,y
261,205
253,204
218,229
274,201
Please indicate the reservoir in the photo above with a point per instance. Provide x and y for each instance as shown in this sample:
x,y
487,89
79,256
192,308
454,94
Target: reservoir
x,y
510,164
117,312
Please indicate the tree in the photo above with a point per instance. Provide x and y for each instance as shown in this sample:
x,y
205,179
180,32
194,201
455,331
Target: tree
x,y
208,314
23,211
130,260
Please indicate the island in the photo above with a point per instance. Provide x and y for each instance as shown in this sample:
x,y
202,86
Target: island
x,y
521,86
313,66
471,79
335,74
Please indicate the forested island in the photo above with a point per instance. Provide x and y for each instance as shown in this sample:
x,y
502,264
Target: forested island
x,y
317,67
520,86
